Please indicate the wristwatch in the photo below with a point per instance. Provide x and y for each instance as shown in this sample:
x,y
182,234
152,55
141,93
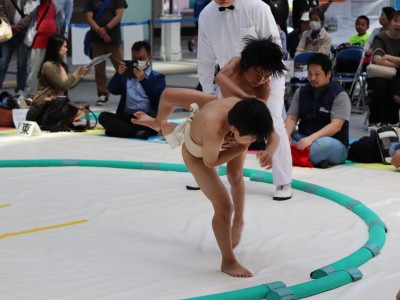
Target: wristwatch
x,y
106,28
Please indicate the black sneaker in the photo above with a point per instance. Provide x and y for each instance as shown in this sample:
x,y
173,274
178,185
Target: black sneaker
x,y
103,100
190,45
323,164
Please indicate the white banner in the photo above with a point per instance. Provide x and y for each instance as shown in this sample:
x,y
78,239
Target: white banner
x,y
341,17
130,35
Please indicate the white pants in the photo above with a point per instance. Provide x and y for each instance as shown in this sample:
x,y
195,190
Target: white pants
x,y
282,159
37,56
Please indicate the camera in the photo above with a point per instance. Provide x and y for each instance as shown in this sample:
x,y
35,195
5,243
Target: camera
x,y
130,65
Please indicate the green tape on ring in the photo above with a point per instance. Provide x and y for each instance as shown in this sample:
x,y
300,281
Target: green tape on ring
x,y
321,272
374,248
352,204
284,293
354,273
275,285
377,222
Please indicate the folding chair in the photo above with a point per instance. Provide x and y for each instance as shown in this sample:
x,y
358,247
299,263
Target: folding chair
x,y
299,78
347,70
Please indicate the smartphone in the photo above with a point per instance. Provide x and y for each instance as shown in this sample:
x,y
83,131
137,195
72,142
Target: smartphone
x,y
130,65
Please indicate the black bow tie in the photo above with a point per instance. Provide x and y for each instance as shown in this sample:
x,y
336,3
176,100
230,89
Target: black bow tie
x,y
231,7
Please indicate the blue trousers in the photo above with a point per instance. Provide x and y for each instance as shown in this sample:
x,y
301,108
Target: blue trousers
x,y
324,148
7,50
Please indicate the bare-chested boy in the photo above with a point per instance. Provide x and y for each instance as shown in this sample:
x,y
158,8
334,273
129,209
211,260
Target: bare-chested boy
x,y
245,121
245,76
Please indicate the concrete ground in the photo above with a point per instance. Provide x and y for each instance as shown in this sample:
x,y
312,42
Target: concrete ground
x,y
178,74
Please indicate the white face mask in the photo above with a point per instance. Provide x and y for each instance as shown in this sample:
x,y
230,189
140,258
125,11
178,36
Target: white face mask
x,y
315,25
142,64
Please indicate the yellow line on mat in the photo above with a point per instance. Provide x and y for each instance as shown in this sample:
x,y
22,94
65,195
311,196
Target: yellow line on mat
x,y
4,205
6,235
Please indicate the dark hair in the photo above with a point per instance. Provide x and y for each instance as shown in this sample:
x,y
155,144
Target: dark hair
x,y
396,14
264,53
251,116
389,12
319,12
137,46
362,17
322,60
56,41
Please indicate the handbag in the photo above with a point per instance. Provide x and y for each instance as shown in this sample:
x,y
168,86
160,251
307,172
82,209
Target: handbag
x,y
378,71
86,41
32,30
5,31
58,115
85,107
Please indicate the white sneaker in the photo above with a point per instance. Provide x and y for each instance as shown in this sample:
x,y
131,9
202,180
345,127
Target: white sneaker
x,y
21,93
102,101
283,192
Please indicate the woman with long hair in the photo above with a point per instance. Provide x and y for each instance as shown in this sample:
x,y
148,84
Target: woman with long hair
x,y
54,79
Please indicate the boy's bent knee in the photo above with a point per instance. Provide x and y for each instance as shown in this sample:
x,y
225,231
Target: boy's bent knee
x,y
235,178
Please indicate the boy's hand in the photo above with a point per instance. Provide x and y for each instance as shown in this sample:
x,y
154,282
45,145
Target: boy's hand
x,y
265,159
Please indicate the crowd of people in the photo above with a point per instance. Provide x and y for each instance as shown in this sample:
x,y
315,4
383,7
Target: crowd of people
x,y
241,104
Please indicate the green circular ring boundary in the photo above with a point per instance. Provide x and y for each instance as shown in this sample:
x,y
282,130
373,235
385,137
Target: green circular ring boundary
x,y
328,277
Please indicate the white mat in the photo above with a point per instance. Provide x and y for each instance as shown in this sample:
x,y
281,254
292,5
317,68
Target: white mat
x,y
148,238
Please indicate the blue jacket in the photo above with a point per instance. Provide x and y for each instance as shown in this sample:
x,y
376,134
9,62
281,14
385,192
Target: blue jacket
x,y
314,114
154,85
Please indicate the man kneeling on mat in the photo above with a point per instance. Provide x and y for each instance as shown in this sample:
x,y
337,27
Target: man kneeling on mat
x,y
205,132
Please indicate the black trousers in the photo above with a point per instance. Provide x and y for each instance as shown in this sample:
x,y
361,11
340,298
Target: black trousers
x,y
120,125
382,106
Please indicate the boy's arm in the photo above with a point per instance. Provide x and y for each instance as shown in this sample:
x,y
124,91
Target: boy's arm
x,y
265,157
290,124
223,79
212,154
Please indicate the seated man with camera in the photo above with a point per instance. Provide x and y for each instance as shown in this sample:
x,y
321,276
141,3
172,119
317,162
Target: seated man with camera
x,y
140,88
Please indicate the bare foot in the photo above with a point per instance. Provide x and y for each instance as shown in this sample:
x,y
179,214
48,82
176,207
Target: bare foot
x,y
237,228
235,269
144,119
167,128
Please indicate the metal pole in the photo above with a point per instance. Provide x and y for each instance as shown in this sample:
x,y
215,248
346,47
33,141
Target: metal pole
x,y
171,7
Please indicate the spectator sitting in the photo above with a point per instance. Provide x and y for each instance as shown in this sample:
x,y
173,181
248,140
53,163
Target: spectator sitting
x,y
316,39
293,38
323,111
362,25
140,89
384,19
301,6
54,80
383,109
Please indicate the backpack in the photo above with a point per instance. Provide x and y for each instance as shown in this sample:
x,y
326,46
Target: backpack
x,y
365,150
7,101
375,147
385,137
